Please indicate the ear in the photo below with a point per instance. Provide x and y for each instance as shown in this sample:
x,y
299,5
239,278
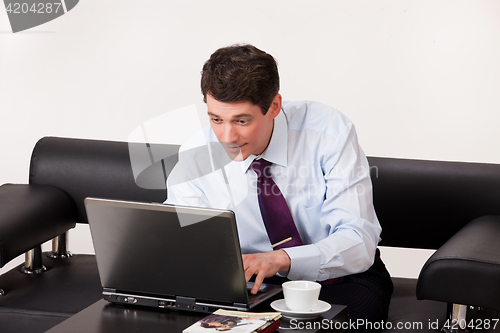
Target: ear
x,y
275,107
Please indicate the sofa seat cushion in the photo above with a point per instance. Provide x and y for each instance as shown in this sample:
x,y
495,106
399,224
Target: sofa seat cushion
x,y
408,314
466,269
65,288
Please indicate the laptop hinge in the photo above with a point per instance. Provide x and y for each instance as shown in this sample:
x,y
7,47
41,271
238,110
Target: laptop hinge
x,y
108,291
240,305
185,303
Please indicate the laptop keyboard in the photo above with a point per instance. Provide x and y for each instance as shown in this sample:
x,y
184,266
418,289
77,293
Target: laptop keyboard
x,y
261,289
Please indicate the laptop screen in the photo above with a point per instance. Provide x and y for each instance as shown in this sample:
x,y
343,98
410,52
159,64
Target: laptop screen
x,y
167,251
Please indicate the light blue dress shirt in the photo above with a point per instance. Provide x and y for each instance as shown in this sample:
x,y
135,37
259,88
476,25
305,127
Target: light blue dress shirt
x,y
321,171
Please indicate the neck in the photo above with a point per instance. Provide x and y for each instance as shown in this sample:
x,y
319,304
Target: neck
x,y
268,139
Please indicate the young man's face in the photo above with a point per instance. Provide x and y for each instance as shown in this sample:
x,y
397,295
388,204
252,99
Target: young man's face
x,y
241,127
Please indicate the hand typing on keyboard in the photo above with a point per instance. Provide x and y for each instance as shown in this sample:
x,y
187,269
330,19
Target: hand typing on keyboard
x,y
264,265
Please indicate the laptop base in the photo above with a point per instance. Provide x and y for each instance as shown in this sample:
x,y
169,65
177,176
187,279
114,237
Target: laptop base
x,y
267,292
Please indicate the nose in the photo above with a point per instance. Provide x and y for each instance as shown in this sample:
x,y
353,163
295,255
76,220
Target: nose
x,y
229,134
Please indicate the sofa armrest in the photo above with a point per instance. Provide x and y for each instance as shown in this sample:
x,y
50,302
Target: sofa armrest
x,y
466,269
31,215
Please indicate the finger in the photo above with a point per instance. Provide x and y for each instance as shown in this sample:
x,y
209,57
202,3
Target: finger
x,y
258,282
248,275
244,257
248,266
249,272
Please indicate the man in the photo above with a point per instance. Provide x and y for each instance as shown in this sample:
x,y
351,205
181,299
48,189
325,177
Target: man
x,y
296,170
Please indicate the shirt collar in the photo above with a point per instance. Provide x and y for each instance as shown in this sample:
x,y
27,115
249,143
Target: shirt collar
x,y
276,151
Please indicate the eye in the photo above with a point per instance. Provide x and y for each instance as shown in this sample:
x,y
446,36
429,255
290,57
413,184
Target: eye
x,y
216,120
242,122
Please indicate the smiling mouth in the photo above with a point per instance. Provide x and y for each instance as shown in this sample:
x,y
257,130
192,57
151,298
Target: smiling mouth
x,y
235,147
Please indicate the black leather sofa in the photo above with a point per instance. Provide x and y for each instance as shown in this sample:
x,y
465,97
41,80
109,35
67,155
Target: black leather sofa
x,y
450,206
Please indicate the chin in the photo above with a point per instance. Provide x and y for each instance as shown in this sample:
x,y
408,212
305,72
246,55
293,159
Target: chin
x,y
235,156
238,158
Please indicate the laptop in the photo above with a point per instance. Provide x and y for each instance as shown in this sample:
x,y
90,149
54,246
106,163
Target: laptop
x,y
166,256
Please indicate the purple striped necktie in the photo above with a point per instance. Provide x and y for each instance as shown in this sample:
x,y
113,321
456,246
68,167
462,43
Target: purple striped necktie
x,y
274,210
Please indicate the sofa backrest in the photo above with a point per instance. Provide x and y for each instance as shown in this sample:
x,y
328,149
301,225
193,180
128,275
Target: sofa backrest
x,y
103,169
421,204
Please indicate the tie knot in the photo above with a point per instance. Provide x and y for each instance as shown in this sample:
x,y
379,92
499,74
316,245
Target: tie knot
x,y
261,167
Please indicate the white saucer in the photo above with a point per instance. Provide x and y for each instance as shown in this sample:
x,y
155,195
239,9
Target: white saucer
x,y
320,308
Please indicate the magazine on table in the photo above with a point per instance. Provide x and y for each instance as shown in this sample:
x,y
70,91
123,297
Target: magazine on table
x,y
236,322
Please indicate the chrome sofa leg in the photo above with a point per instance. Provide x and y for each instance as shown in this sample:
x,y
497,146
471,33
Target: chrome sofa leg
x,y
33,261
60,247
456,321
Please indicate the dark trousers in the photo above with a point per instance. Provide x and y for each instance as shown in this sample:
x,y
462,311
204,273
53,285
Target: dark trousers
x,y
367,295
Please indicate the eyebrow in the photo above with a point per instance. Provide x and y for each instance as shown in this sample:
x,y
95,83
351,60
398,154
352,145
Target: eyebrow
x,y
235,116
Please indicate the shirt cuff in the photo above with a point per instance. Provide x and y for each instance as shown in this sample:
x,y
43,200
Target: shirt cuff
x,y
305,262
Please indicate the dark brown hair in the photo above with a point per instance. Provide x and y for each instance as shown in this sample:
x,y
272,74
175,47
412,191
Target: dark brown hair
x,y
240,73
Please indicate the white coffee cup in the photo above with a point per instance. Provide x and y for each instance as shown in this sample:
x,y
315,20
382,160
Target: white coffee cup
x,y
301,296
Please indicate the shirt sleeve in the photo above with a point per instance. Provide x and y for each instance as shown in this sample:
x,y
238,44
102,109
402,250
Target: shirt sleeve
x,y
347,212
183,186
185,194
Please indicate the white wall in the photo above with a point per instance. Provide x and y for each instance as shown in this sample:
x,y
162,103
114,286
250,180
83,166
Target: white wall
x,y
419,78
